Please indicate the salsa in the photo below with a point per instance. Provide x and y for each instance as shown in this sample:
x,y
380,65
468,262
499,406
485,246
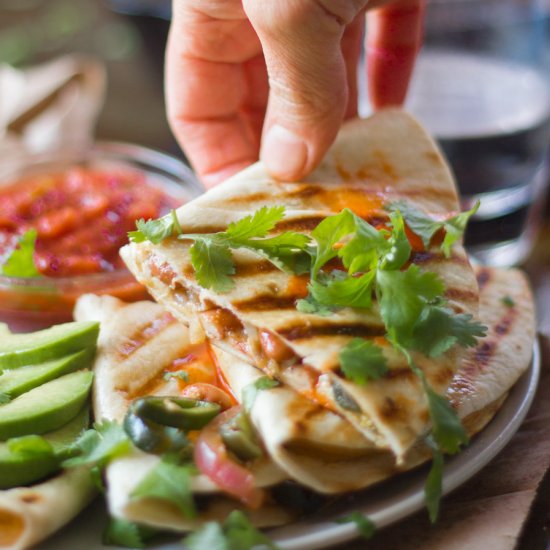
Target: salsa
x,y
81,216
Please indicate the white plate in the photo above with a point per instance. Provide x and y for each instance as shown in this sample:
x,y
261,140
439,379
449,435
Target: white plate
x,y
384,504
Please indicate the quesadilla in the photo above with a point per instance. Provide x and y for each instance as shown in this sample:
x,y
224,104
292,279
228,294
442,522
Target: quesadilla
x,y
138,345
374,164
308,443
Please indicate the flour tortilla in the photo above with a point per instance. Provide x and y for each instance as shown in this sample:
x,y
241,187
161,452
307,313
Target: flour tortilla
x,y
120,378
30,514
385,158
312,444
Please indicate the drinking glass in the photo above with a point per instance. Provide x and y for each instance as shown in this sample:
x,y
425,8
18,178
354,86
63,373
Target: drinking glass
x,y
481,87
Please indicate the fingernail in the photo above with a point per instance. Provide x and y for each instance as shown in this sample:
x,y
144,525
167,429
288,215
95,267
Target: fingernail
x,y
284,153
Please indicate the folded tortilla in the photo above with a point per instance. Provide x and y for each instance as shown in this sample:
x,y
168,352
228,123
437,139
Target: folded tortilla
x,y
136,344
30,514
317,448
311,444
373,162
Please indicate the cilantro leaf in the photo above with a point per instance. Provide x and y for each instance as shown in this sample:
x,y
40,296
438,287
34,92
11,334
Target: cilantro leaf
x,y
402,296
213,264
455,227
236,533
310,305
342,290
257,225
99,445
425,226
362,251
439,328
327,234
20,263
447,428
250,391
34,445
156,230
169,481
361,361
420,223
433,486
286,250
508,301
399,247
365,526
180,374
120,532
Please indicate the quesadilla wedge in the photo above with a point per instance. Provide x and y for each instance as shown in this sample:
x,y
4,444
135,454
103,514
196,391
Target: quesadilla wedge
x,y
374,165
138,345
308,442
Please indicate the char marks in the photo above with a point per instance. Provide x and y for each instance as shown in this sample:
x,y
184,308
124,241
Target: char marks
x,y
305,332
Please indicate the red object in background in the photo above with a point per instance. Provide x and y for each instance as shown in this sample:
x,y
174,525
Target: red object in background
x,y
82,217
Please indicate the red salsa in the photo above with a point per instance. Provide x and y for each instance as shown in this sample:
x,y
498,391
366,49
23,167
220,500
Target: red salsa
x,y
82,217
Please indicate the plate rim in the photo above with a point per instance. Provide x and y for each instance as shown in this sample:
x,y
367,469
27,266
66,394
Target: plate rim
x,y
477,455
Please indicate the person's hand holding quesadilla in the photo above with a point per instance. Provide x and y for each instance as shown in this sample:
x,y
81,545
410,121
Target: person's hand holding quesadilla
x,y
280,74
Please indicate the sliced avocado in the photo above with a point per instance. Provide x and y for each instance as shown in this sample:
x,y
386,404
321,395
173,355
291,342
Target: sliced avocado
x,y
47,407
14,382
31,348
22,469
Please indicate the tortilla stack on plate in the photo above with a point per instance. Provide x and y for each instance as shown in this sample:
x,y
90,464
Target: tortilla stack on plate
x,y
307,443
373,163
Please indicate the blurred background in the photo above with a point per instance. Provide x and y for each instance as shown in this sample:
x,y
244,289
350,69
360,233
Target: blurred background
x,y
129,36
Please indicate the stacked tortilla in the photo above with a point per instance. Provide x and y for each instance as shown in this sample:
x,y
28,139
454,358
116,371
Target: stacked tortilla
x,y
310,434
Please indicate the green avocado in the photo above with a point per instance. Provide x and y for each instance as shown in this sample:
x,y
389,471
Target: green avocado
x,y
18,469
14,382
46,407
17,350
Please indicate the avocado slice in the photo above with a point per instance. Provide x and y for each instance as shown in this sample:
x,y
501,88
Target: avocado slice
x,y
46,407
14,382
23,469
31,348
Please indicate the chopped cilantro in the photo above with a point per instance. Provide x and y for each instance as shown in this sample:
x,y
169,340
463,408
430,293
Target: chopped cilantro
x,y
361,361
20,263
169,481
156,230
120,532
434,482
99,445
250,391
508,301
365,526
236,533
180,374
426,227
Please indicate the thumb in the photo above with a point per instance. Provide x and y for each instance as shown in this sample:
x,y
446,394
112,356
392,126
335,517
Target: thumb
x,y
301,41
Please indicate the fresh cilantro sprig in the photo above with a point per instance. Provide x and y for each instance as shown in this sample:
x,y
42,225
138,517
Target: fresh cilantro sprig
x,y
426,227
169,481
236,533
361,360
120,532
211,256
20,263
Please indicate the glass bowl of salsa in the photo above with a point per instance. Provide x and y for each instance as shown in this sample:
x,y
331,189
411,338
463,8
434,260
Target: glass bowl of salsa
x,y
63,218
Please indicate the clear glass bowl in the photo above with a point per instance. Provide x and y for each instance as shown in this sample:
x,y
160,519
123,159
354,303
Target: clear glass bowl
x,y
31,303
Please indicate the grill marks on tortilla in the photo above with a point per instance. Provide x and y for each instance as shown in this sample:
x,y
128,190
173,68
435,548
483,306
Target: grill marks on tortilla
x,y
144,334
304,332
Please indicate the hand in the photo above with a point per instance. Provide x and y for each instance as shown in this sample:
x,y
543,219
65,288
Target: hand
x,y
280,74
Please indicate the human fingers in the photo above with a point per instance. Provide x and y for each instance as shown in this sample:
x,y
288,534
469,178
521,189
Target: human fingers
x,y
209,100
301,41
394,36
